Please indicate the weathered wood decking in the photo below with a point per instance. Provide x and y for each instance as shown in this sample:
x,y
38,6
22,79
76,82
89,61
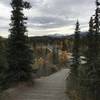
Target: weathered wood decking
x,y
48,88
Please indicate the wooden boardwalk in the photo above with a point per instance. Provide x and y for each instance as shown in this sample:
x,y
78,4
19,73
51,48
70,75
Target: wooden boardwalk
x,y
48,88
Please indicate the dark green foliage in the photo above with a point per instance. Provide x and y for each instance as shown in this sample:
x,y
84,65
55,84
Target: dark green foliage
x,y
73,79
46,49
91,71
3,60
93,55
87,80
19,53
90,41
76,49
55,55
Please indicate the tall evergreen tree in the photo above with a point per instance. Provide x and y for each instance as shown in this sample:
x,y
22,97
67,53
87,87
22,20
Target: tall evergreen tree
x,y
54,60
55,54
89,68
95,72
90,42
93,53
73,79
19,53
76,48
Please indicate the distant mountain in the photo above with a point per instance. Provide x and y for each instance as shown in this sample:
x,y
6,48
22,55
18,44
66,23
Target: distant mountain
x,y
60,36
82,34
55,37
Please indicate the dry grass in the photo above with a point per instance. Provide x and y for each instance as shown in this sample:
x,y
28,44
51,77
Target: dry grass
x,y
73,95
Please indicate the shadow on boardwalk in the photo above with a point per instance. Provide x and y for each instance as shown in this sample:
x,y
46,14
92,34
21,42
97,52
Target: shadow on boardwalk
x,y
47,88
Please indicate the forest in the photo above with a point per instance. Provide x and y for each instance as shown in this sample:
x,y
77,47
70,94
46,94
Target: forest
x,y
25,60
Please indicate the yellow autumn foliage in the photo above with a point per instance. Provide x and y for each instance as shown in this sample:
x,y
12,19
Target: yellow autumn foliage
x,y
63,57
38,62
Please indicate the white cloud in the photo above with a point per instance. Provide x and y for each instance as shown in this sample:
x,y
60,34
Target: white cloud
x,y
50,16
4,11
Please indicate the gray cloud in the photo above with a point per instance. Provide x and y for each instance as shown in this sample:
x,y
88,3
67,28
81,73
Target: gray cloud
x,y
49,22
5,2
53,14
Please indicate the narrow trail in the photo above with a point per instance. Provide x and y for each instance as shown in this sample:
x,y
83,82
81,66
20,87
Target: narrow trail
x,y
48,88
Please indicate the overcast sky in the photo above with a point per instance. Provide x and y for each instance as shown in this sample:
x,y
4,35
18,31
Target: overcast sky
x,y
50,16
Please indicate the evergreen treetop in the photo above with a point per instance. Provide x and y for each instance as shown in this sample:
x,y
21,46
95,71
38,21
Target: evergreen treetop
x,y
19,53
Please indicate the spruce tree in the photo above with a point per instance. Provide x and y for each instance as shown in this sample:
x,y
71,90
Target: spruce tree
x,y
76,49
90,42
46,49
55,54
95,72
19,52
73,79
54,59
93,53
88,69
